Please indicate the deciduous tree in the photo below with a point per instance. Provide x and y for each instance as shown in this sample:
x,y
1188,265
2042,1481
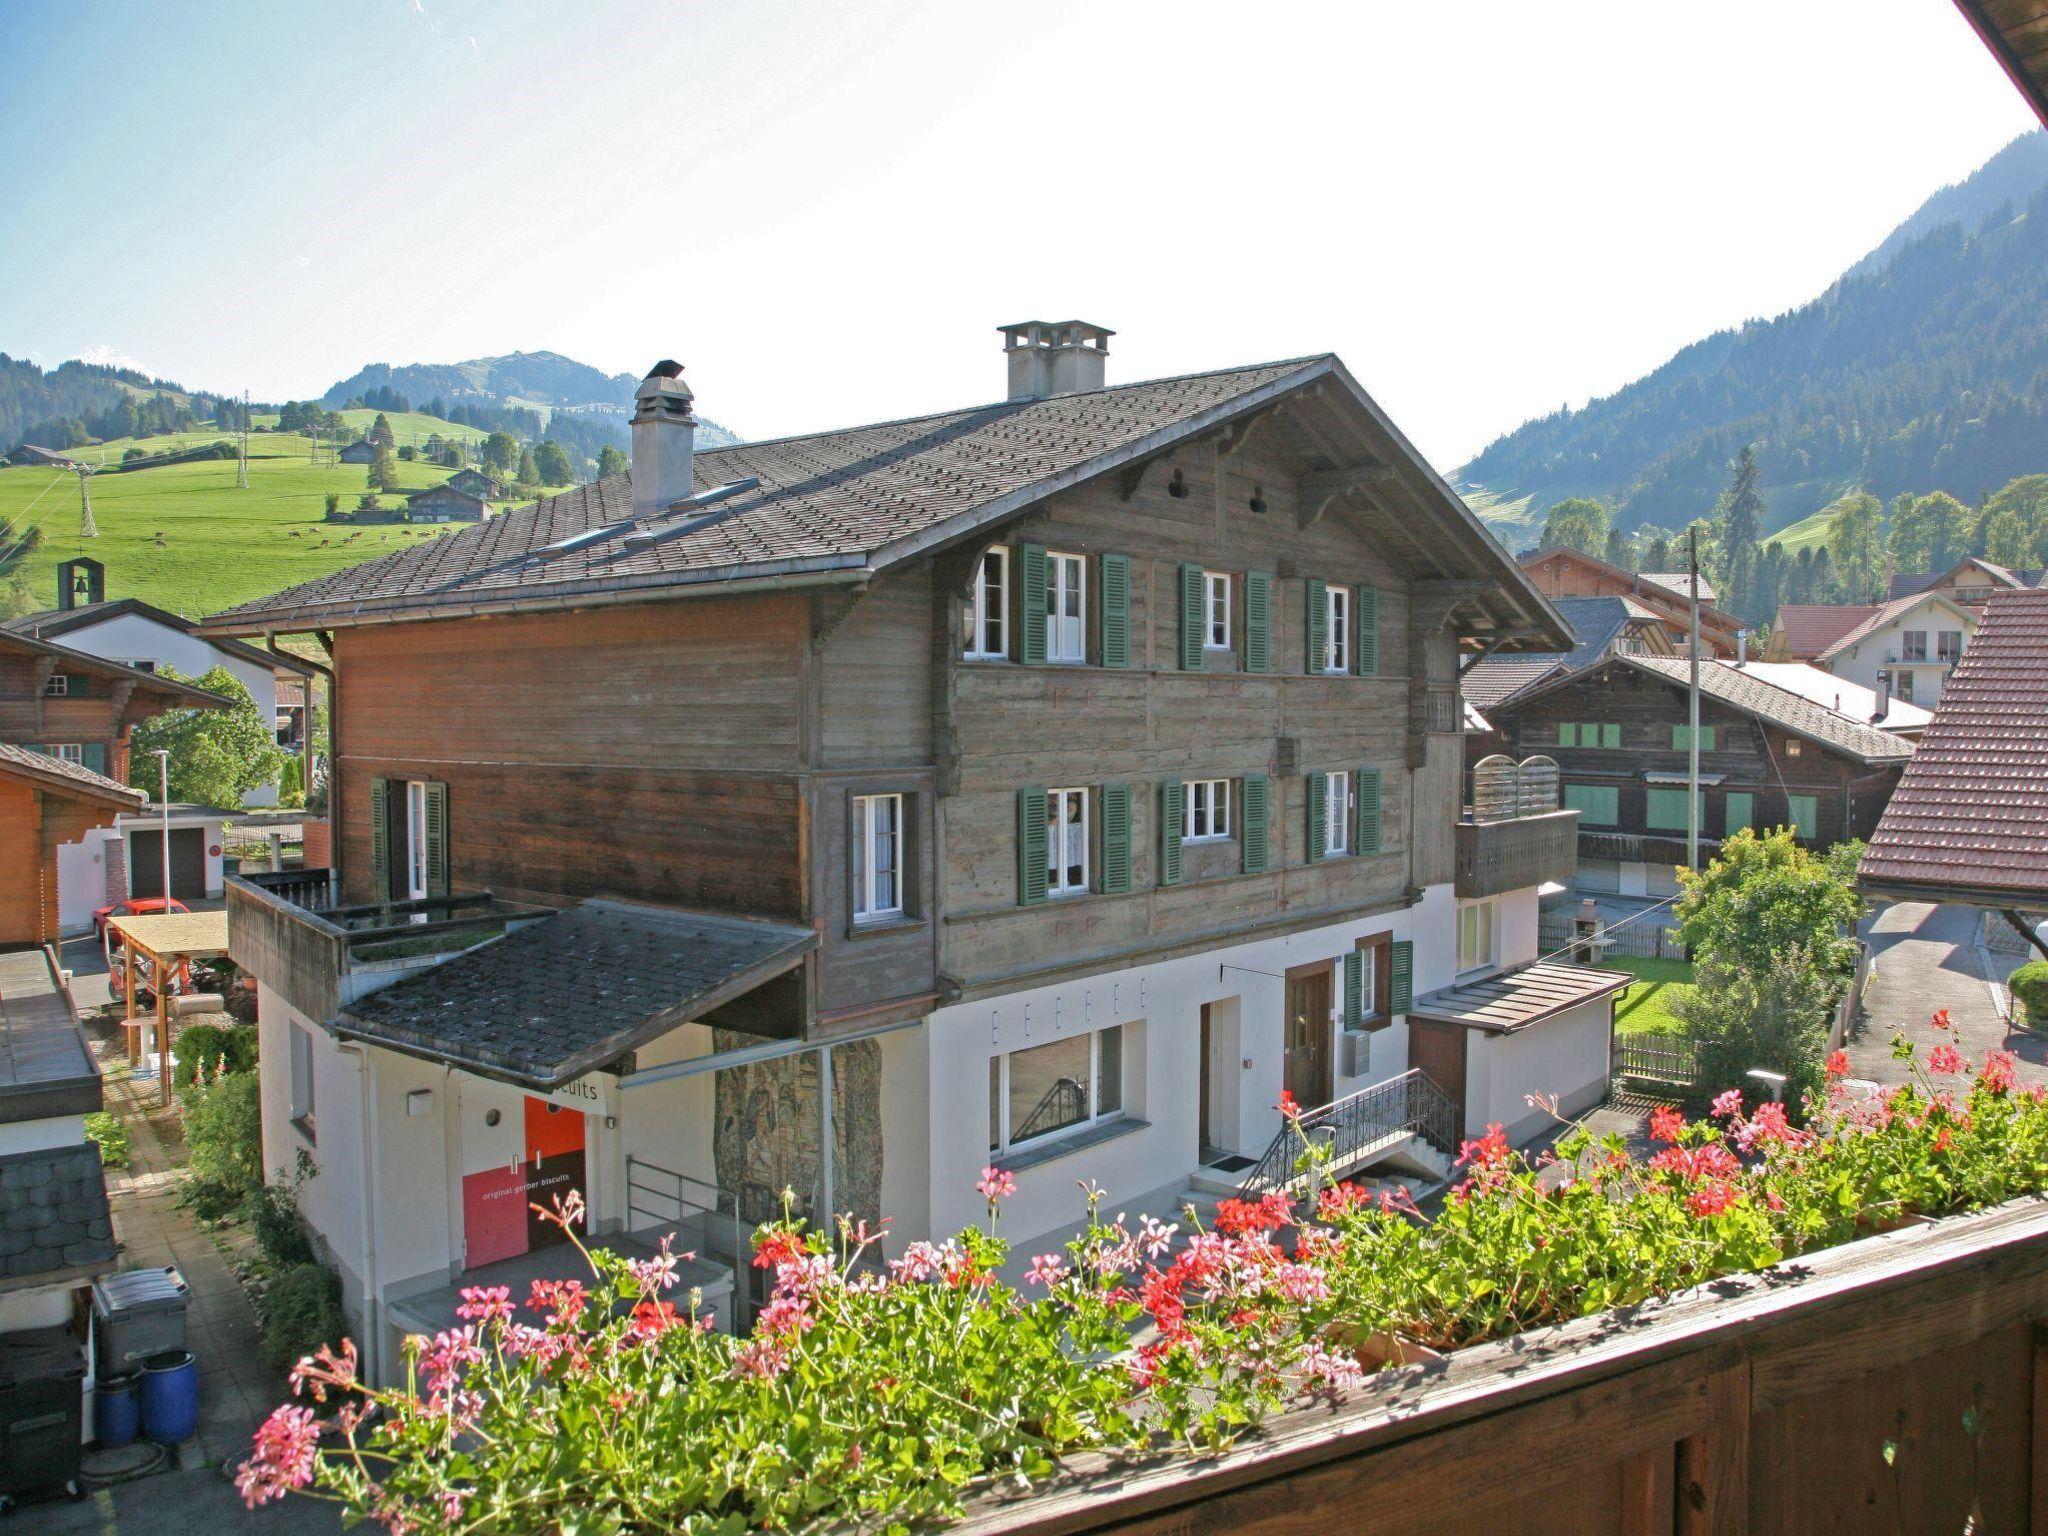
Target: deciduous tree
x,y
216,754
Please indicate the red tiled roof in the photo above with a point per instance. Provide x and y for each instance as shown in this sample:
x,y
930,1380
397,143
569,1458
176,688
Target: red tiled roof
x,y
1971,811
1810,628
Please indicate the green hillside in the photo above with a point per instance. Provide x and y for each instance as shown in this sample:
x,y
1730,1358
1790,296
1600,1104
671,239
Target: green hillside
x,y
186,538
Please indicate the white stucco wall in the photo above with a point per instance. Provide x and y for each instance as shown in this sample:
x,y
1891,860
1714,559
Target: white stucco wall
x,y
1864,660
1567,1056
82,866
131,637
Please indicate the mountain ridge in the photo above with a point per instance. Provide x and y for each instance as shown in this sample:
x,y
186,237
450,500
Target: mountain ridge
x,y
1923,367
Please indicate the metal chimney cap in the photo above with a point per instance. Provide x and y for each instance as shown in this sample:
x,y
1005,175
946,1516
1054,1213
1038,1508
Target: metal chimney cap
x,y
667,368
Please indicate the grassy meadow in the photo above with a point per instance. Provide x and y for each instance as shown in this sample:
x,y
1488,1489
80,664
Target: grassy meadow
x,y
184,537
1645,1008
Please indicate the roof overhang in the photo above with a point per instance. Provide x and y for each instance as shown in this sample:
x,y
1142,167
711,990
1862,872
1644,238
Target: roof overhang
x,y
1995,898
1517,1000
179,695
502,979
55,781
2016,32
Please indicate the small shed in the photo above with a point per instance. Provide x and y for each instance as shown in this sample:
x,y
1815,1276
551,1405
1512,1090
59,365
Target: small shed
x,y
361,451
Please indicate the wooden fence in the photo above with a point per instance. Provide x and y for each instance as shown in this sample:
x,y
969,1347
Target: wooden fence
x,y
1648,939
1894,1384
1672,1061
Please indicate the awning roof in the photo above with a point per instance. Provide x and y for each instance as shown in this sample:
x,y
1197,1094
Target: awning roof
x,y
1503,1004
575,991
177,935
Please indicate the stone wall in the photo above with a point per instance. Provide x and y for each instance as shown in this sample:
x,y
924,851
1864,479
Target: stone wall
x,y
766,1137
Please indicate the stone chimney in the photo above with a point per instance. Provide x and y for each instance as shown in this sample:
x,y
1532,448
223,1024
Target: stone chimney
x,y
1054,357
664,440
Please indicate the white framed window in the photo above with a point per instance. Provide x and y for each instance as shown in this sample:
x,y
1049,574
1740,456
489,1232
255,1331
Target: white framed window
x,y
416,839
1369,983
877,857
57,687
1066,608
1337,813
1905,684
1208,809
302,1079
1066,841
1043,1091
1477,937
1216,610
1336,629
69,751
987,634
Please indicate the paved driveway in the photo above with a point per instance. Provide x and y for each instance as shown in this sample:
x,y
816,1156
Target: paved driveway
x,y
1926,959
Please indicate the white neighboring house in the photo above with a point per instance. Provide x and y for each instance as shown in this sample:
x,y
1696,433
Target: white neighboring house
x,y
111,864
145,636
1914,640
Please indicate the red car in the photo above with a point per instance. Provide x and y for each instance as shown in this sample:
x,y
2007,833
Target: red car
x,y
147,906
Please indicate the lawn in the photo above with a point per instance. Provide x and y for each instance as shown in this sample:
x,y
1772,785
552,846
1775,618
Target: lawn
x,y
1645,1008
186,538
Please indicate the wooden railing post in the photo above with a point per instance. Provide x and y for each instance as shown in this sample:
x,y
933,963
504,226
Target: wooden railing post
x,y
1713,1465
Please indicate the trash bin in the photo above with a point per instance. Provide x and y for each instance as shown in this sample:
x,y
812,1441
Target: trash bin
x,y
170,1397
136,1314
42,1411
117,1409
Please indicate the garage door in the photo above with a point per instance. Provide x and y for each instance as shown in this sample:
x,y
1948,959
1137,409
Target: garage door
x,y
1598,876
188,863
1661,879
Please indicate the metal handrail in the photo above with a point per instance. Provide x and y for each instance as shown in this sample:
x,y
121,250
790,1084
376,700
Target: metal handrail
x,y
1409,1104
722,1202
1065,1094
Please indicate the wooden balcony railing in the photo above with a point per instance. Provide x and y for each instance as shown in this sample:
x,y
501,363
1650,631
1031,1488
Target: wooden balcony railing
x,y
1887,1385
1497,856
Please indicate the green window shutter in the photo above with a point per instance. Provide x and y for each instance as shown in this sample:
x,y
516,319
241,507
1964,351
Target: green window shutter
x,y
1664,810
1031,847
1707,738
1258,619
1354,990
1191,618
1403,976
1172,816
1589,734
1367,833
1116,610
1116,838
380,839
1598,805
1367,602
1567,734
1031,604
1317,603
1256,793
1737,811
437,839
1318,816
1610,736
1804,811
1679,735
94,754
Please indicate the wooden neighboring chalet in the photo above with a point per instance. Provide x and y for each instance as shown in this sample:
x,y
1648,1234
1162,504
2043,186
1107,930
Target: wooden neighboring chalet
x,y
1050,782
1571,573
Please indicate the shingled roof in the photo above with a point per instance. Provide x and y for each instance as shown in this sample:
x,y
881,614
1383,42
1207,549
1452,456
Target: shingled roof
x,y
1970,815
1598,622
1780,707
575,991
1897,608
1807,629
841,505
54,1220
54,772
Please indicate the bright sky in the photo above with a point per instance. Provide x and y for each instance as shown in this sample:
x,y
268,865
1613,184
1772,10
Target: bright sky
x,y
824,207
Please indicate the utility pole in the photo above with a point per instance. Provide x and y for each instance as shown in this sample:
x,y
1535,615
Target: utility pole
x,y
1692,743
242,469
87,529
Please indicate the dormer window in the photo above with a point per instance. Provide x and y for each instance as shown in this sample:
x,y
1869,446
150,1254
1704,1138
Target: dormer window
x,y
986,616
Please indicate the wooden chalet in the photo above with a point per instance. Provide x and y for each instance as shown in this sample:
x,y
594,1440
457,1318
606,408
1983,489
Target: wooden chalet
x,y
361,451
445,503
1050,782
475,482
1569,573
65,722
1769,756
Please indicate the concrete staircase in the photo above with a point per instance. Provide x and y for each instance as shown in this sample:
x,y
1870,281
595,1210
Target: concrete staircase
x,y
1400,1160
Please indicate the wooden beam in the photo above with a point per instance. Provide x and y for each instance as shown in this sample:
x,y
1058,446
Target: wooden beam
x,y
828,622
1351,477
1132,475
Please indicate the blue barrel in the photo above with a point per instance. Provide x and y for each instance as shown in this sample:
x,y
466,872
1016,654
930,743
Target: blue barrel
x,y
117,1409
170,1396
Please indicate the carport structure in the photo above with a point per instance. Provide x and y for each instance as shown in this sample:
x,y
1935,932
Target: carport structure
x,y
166,941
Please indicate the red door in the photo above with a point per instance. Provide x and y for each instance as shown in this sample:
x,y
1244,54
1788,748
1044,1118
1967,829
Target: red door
x,y
498,1219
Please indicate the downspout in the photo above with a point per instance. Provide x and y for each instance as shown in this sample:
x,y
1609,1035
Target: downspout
x,y
373,1309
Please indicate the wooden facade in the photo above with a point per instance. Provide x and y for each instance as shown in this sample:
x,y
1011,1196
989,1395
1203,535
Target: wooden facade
x,y
95,706
1749,757
710,752
1895,1384
35,819
1568,573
